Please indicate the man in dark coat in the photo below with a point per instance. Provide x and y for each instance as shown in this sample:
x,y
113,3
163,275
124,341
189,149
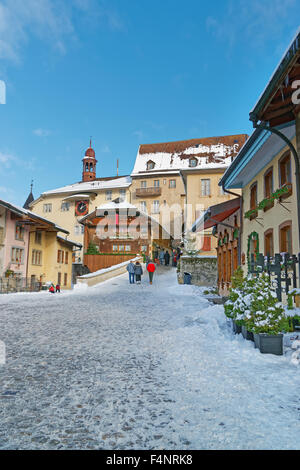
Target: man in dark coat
x,y
167,258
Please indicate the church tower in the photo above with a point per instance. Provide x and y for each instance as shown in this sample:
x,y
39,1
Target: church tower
x,y
30,198
89,165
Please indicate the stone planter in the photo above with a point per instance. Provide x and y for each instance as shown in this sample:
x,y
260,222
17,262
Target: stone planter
x,y
236,328
256,340
248,335
271,344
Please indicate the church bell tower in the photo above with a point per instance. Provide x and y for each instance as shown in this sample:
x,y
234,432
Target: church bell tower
x,y
89,165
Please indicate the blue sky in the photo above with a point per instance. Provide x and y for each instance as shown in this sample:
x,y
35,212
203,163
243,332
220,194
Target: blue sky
x,y
127,72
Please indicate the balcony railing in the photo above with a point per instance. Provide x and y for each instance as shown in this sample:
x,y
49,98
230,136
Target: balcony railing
x,y
148,192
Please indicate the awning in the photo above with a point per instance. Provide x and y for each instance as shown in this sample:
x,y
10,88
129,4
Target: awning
x,y
216,214
219,218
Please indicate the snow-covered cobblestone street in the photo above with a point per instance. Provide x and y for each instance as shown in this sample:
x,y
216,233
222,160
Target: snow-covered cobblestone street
x,y
122,366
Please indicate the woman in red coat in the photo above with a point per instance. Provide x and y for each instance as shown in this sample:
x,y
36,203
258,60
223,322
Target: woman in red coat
x,y
151,268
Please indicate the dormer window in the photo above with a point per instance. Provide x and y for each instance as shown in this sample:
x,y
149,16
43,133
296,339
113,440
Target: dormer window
x,y
150,165
193,162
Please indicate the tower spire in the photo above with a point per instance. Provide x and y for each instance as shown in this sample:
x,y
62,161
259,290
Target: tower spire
x,y
89,164
30,198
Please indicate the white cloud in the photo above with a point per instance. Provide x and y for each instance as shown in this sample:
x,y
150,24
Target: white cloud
x,y
256,21
49,20
7,159
42,132
139,134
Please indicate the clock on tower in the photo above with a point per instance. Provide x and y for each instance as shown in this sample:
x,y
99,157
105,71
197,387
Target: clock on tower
x,y
81,208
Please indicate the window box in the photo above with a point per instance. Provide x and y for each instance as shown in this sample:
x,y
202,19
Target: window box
x,y
287,191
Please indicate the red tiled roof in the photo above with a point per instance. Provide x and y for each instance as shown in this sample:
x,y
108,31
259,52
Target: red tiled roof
x,y
219,217
182,145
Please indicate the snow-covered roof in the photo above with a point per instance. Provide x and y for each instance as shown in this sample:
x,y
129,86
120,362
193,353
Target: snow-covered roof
x,y
112,205
96,185
209,153
71,242
22,211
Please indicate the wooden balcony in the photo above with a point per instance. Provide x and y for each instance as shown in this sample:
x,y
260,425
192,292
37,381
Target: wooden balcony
x,y
148,192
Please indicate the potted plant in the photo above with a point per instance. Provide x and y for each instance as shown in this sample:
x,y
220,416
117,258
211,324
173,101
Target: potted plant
x,y
265,318
9,273
235,306
242,307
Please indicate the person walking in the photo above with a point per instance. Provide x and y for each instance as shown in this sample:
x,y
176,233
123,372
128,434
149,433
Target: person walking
x,y
138,270
51,289
167,258
161,257
131,270
57,288
174,259
151,269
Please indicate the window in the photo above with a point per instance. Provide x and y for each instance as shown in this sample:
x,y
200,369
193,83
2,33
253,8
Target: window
x,y
79,229
193,162
59,278
47,208
253,200
36,258
121,247
285,169
143,206
205,187
38,237
65,279
165,181
60,256
285,237
150,165
115,247
144,248
17,255
156,183
122,194
20,230
268,180
155,207
143,184
127,247
222,192
67,258
108,195
172,184
65,206
269,243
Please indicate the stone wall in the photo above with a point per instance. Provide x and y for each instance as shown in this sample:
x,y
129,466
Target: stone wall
x,y
102,275
203,270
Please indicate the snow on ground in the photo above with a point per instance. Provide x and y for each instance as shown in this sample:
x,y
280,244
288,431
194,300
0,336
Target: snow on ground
x,y
122,366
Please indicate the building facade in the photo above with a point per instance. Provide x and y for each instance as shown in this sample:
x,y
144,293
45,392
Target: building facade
x,y
118,231
265,171
267,168
67,205
224,220
31,249
175,182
